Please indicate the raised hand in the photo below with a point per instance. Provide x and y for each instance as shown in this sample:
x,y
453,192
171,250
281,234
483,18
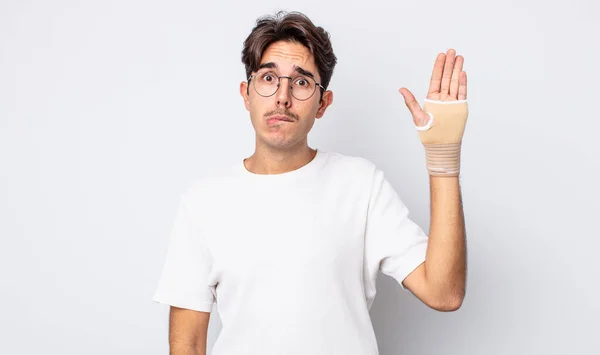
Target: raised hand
x,y
448,83
442,120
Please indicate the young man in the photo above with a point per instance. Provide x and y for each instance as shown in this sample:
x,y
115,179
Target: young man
x,y
288,242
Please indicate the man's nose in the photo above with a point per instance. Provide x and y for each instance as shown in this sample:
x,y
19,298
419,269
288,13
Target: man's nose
x,y
284,92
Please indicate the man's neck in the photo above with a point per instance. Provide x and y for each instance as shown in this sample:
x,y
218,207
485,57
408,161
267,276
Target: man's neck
x,y
269,161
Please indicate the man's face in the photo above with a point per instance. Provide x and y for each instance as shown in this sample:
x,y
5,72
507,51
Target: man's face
x,y
285,59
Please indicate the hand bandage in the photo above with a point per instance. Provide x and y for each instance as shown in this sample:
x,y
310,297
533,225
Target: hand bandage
x,y
442,135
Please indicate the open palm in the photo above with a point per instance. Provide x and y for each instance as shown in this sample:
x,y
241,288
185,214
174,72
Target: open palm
x,y
448,83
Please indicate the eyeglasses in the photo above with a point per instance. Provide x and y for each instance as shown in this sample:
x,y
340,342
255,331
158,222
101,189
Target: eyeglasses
x,y
266,83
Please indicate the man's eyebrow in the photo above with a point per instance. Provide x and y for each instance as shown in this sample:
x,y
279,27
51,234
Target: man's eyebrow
x,y
298,69
269,65
303,71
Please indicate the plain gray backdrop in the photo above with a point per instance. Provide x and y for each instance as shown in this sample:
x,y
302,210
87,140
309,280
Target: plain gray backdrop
x,y
110,109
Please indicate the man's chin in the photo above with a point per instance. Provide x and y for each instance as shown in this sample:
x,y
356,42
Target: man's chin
x,y
279,143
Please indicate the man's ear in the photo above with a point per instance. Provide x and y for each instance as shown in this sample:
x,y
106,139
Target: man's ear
x,y
244,93
325,102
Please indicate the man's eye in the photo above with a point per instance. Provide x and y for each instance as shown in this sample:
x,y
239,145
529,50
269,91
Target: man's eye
x,y
268,78
301,82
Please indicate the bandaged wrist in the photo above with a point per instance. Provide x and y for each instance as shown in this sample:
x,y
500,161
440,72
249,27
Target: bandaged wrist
x,y
442,135
443,159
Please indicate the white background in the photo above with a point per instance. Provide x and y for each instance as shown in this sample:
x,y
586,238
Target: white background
x,y
109,109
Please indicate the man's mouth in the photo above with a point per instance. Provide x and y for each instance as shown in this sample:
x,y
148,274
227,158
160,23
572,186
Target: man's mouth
x,y
276,119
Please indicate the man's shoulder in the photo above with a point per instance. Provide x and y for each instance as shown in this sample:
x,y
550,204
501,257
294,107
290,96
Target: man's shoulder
x,y
351,163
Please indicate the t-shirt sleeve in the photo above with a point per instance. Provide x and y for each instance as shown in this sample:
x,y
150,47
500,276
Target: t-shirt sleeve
x,y
185,281
394,244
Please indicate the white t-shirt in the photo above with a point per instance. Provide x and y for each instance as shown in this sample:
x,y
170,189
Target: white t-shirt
x,y
290,260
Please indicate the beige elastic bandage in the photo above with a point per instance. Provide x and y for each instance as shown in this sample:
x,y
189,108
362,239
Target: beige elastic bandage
x,y
442,135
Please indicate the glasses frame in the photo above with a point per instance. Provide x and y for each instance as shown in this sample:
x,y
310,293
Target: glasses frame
x,y
291,89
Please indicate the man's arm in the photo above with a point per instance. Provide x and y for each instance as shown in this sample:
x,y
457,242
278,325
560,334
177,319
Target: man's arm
x,y
441,280
188,331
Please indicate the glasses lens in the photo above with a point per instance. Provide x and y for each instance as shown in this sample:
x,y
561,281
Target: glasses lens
x,y
303,87
265,83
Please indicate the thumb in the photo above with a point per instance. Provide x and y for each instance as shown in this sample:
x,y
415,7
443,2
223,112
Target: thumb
x,y
420,117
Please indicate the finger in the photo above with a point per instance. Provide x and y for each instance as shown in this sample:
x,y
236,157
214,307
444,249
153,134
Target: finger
x,y
410,101
436,75
448,66
420,117
458,65
462,86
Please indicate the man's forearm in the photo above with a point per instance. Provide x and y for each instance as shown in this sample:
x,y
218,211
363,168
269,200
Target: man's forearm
x,y
445,265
